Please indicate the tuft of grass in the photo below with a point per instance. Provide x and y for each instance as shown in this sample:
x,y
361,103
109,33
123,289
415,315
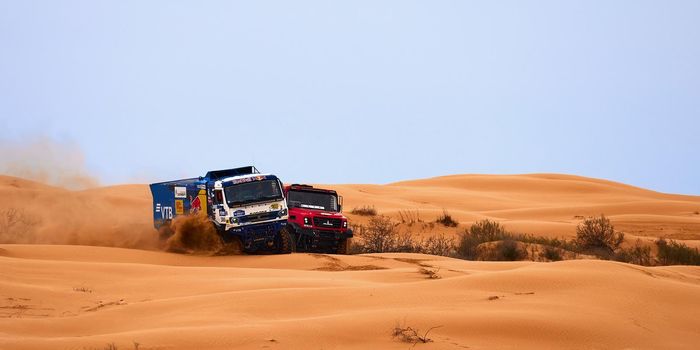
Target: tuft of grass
x,y
365,210
446,220
409,217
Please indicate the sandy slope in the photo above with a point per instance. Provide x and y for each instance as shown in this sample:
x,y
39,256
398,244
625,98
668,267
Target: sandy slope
x,y
75,297
83,297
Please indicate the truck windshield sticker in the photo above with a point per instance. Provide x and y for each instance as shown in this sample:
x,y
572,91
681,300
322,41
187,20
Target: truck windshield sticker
x,y
319,207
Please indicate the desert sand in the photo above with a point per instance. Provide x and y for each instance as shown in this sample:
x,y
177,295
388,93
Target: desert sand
x,y
74,280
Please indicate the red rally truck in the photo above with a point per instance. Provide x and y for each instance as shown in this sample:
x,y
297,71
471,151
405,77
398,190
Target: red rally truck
x,y
315,222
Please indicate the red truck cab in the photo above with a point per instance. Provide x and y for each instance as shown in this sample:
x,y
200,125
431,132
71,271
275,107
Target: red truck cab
x,y
316,222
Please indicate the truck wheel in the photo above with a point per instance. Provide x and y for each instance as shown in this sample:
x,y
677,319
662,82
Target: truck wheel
x,y
343,245
284,242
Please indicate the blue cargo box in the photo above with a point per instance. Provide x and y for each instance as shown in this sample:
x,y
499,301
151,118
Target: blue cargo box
x,y
180,197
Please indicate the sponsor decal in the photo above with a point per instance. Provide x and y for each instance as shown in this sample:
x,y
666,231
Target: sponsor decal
x,y
238,213
327,223
157,207
180,192
179,207
166,213
222,212
201,187
274,206
312,206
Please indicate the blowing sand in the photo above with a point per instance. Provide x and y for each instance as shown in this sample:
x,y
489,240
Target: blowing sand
x,y
55,294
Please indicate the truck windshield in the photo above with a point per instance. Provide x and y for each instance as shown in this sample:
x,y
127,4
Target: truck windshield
x,y
251,192
312,200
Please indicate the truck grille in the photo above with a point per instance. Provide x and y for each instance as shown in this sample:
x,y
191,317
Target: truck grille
x,y
327,222
258,217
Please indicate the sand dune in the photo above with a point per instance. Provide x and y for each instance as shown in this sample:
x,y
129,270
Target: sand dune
x,y
59,293
76,297
542,204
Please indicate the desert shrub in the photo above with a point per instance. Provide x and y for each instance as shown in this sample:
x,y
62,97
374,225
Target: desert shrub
x,y
438,245
675,253
505,250
550,253
365,210
446,219
638,254
16,226
598,236
380,236
478,233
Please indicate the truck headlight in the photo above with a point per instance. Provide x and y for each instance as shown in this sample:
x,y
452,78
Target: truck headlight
x,y
345,224
283,212
307,221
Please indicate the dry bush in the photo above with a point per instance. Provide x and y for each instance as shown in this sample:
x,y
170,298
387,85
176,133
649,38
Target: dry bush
x,y
675,253
638,254
379,236
446,219
598,236
365,210
408,334
16,226
550,253
438,245
505,250
478,233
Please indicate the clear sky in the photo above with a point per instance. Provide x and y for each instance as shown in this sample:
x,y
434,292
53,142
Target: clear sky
x,y
359,91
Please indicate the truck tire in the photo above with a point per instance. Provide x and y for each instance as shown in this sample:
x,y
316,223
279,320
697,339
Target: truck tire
x,y
343,245
284,242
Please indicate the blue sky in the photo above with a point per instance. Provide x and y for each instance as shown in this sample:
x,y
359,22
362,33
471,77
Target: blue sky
x,y
359,91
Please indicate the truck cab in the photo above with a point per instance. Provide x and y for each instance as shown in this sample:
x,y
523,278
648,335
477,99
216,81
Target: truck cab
x,y
316,222
246,208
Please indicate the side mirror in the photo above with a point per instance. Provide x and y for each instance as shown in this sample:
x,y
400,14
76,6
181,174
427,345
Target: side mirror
x,y
340,203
